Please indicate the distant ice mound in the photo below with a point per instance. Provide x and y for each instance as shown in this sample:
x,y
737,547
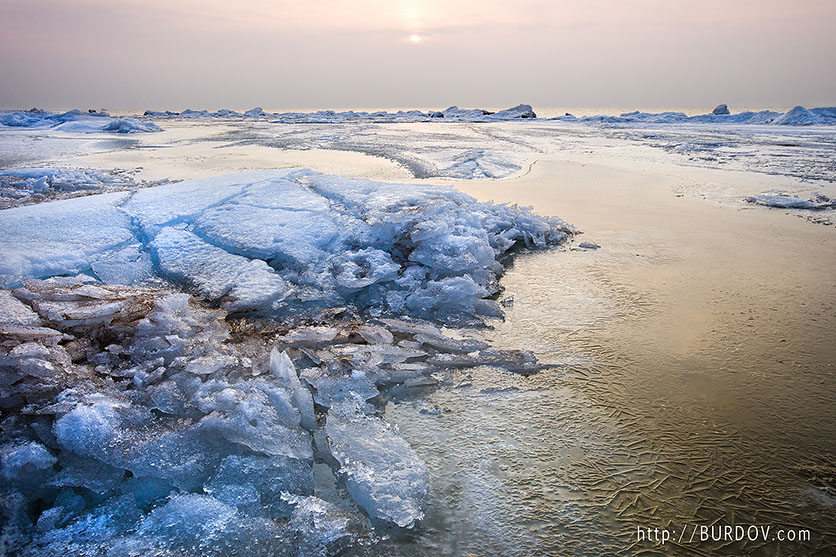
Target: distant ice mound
x,y
76,121
478,114
454,113
283,242
798,116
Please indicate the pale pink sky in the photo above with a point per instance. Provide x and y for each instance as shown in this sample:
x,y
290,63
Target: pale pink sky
x,y
131,54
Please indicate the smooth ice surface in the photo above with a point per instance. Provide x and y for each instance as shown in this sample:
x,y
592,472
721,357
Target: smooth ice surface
x,y
275,241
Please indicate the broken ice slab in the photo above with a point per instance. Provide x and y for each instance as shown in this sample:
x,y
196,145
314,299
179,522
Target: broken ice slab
x,y
192,524
308,336
332,385
409,374
238,283
72,304
322,528
447,344
369,355
428,334
19,460
176,327
18,321
383,473
14,313
517,361
254,484
254,422
283,369
375,334
382,248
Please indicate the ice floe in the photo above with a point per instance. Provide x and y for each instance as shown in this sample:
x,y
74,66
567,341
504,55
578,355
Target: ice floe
x,y
279,242
383,473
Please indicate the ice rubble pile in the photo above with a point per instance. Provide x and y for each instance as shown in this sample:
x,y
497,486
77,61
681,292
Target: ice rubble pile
x,y
784,200
453,113
133,423
75,121
797,116
27,185
284,242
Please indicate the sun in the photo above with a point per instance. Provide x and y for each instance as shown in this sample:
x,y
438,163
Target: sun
x,y
416,39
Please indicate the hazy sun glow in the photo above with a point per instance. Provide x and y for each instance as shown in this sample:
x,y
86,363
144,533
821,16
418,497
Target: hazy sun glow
x,y
288,54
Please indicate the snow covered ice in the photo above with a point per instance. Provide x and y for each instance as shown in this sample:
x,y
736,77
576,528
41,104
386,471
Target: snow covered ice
x,y
75,121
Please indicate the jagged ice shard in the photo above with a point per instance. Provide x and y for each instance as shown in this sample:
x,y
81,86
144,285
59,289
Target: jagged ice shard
x,y
139,420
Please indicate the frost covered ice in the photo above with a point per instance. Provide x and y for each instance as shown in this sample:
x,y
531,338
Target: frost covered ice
x,y
280,242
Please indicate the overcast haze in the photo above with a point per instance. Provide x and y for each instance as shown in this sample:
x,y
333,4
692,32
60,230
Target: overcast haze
x,y
132,54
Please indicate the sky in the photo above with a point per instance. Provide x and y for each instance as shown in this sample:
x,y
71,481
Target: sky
x,y
282,54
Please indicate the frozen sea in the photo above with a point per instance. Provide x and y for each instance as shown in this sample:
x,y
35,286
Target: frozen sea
x,y
684,366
